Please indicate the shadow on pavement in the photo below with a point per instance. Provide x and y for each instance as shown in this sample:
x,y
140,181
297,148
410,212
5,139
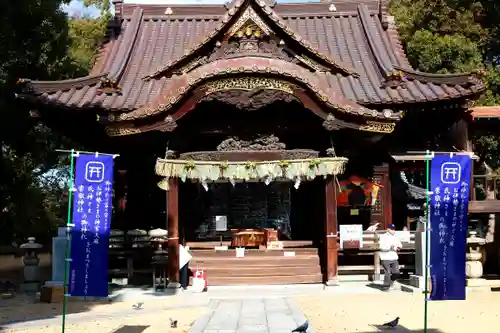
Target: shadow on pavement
x,y
402,329
375,286
131,329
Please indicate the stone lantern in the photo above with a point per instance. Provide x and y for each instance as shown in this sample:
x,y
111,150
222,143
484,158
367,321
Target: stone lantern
x,y
160,258
474,266
31,265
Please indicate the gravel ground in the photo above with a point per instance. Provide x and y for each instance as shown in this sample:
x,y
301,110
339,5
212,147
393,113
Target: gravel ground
x,y
147,322
22,307
362,313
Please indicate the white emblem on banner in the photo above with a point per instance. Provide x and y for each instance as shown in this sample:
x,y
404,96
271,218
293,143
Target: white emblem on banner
x,y
450,173
94,172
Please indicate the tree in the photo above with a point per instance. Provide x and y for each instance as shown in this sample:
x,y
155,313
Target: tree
x,y
103,5
85,36
37,42
449,36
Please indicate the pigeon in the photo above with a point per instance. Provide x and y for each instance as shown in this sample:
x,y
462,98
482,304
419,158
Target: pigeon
x,y
302,328
138,306
173,323
372,228
392,323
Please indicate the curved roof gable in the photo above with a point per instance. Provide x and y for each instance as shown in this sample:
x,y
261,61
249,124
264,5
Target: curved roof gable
x,y
355,35
239,12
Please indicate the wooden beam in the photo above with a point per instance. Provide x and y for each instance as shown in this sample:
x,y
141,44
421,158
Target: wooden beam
x,y
484,206
331,241
173,232
382,211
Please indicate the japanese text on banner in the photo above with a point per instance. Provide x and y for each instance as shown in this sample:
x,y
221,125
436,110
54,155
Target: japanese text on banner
x,y
449,202
91,217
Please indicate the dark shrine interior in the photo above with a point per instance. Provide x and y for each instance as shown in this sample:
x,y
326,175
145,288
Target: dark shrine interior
x,y
212,122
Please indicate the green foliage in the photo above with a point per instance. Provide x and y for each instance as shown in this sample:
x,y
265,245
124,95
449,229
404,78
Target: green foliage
x,y
38,42
85,36
103,5
450,36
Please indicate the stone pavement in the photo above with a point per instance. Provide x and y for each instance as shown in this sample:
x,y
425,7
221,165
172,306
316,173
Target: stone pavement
x,y
265,315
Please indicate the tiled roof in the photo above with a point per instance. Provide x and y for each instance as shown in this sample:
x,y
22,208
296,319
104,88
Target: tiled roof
x,y
353,38
485,112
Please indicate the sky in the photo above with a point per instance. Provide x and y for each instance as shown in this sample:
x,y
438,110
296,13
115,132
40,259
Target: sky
x,y
76,8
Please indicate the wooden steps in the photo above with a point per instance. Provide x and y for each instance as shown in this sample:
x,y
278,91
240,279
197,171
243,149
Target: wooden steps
x,y
264,280
258,267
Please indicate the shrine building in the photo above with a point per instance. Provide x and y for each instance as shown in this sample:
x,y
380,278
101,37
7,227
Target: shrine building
x,y
282,121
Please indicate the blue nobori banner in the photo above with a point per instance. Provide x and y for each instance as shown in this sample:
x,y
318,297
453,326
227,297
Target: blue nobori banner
x,y
92,209
450,187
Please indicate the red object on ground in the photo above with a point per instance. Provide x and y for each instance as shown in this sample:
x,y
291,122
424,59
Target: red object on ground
x,y
201,274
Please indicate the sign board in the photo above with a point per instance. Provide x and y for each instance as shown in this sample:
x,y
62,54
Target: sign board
x,y
220,223
403,236
351,236
450,186
275,245
240,252
92,211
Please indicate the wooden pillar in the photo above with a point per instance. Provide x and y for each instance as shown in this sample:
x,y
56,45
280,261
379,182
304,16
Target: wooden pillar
x,y
121,219
173,232
331,241
382,210
459,133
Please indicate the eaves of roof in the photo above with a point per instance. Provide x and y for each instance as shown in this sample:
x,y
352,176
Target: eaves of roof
x,y
358,41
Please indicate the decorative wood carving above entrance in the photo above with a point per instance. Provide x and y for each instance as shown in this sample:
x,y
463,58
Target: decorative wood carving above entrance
x,y
249,93
378,127
169,124
330,123
260,142
250,100
249,155
119,131
248,83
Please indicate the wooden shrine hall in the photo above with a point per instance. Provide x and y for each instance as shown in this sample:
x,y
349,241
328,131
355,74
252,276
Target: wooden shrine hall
x,y
284,120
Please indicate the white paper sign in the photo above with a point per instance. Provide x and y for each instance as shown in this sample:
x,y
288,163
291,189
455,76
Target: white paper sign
x,y
184,256
240,252
403,236
351,232
220,223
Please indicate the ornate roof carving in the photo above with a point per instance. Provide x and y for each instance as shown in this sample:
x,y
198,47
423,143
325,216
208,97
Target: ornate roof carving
x,y
244,11
180,86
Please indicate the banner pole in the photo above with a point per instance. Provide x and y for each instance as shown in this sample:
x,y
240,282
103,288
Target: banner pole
x,y
427,230
68,235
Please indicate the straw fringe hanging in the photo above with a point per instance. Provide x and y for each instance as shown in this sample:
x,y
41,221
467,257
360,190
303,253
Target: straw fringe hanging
x,y
267,171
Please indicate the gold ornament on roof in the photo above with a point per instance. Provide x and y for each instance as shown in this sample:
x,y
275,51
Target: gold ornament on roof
x,y
249,17
248,83
378,127
119,131
109,86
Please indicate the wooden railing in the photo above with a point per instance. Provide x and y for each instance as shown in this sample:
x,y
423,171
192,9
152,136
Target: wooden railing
x,y
371,249
485,194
